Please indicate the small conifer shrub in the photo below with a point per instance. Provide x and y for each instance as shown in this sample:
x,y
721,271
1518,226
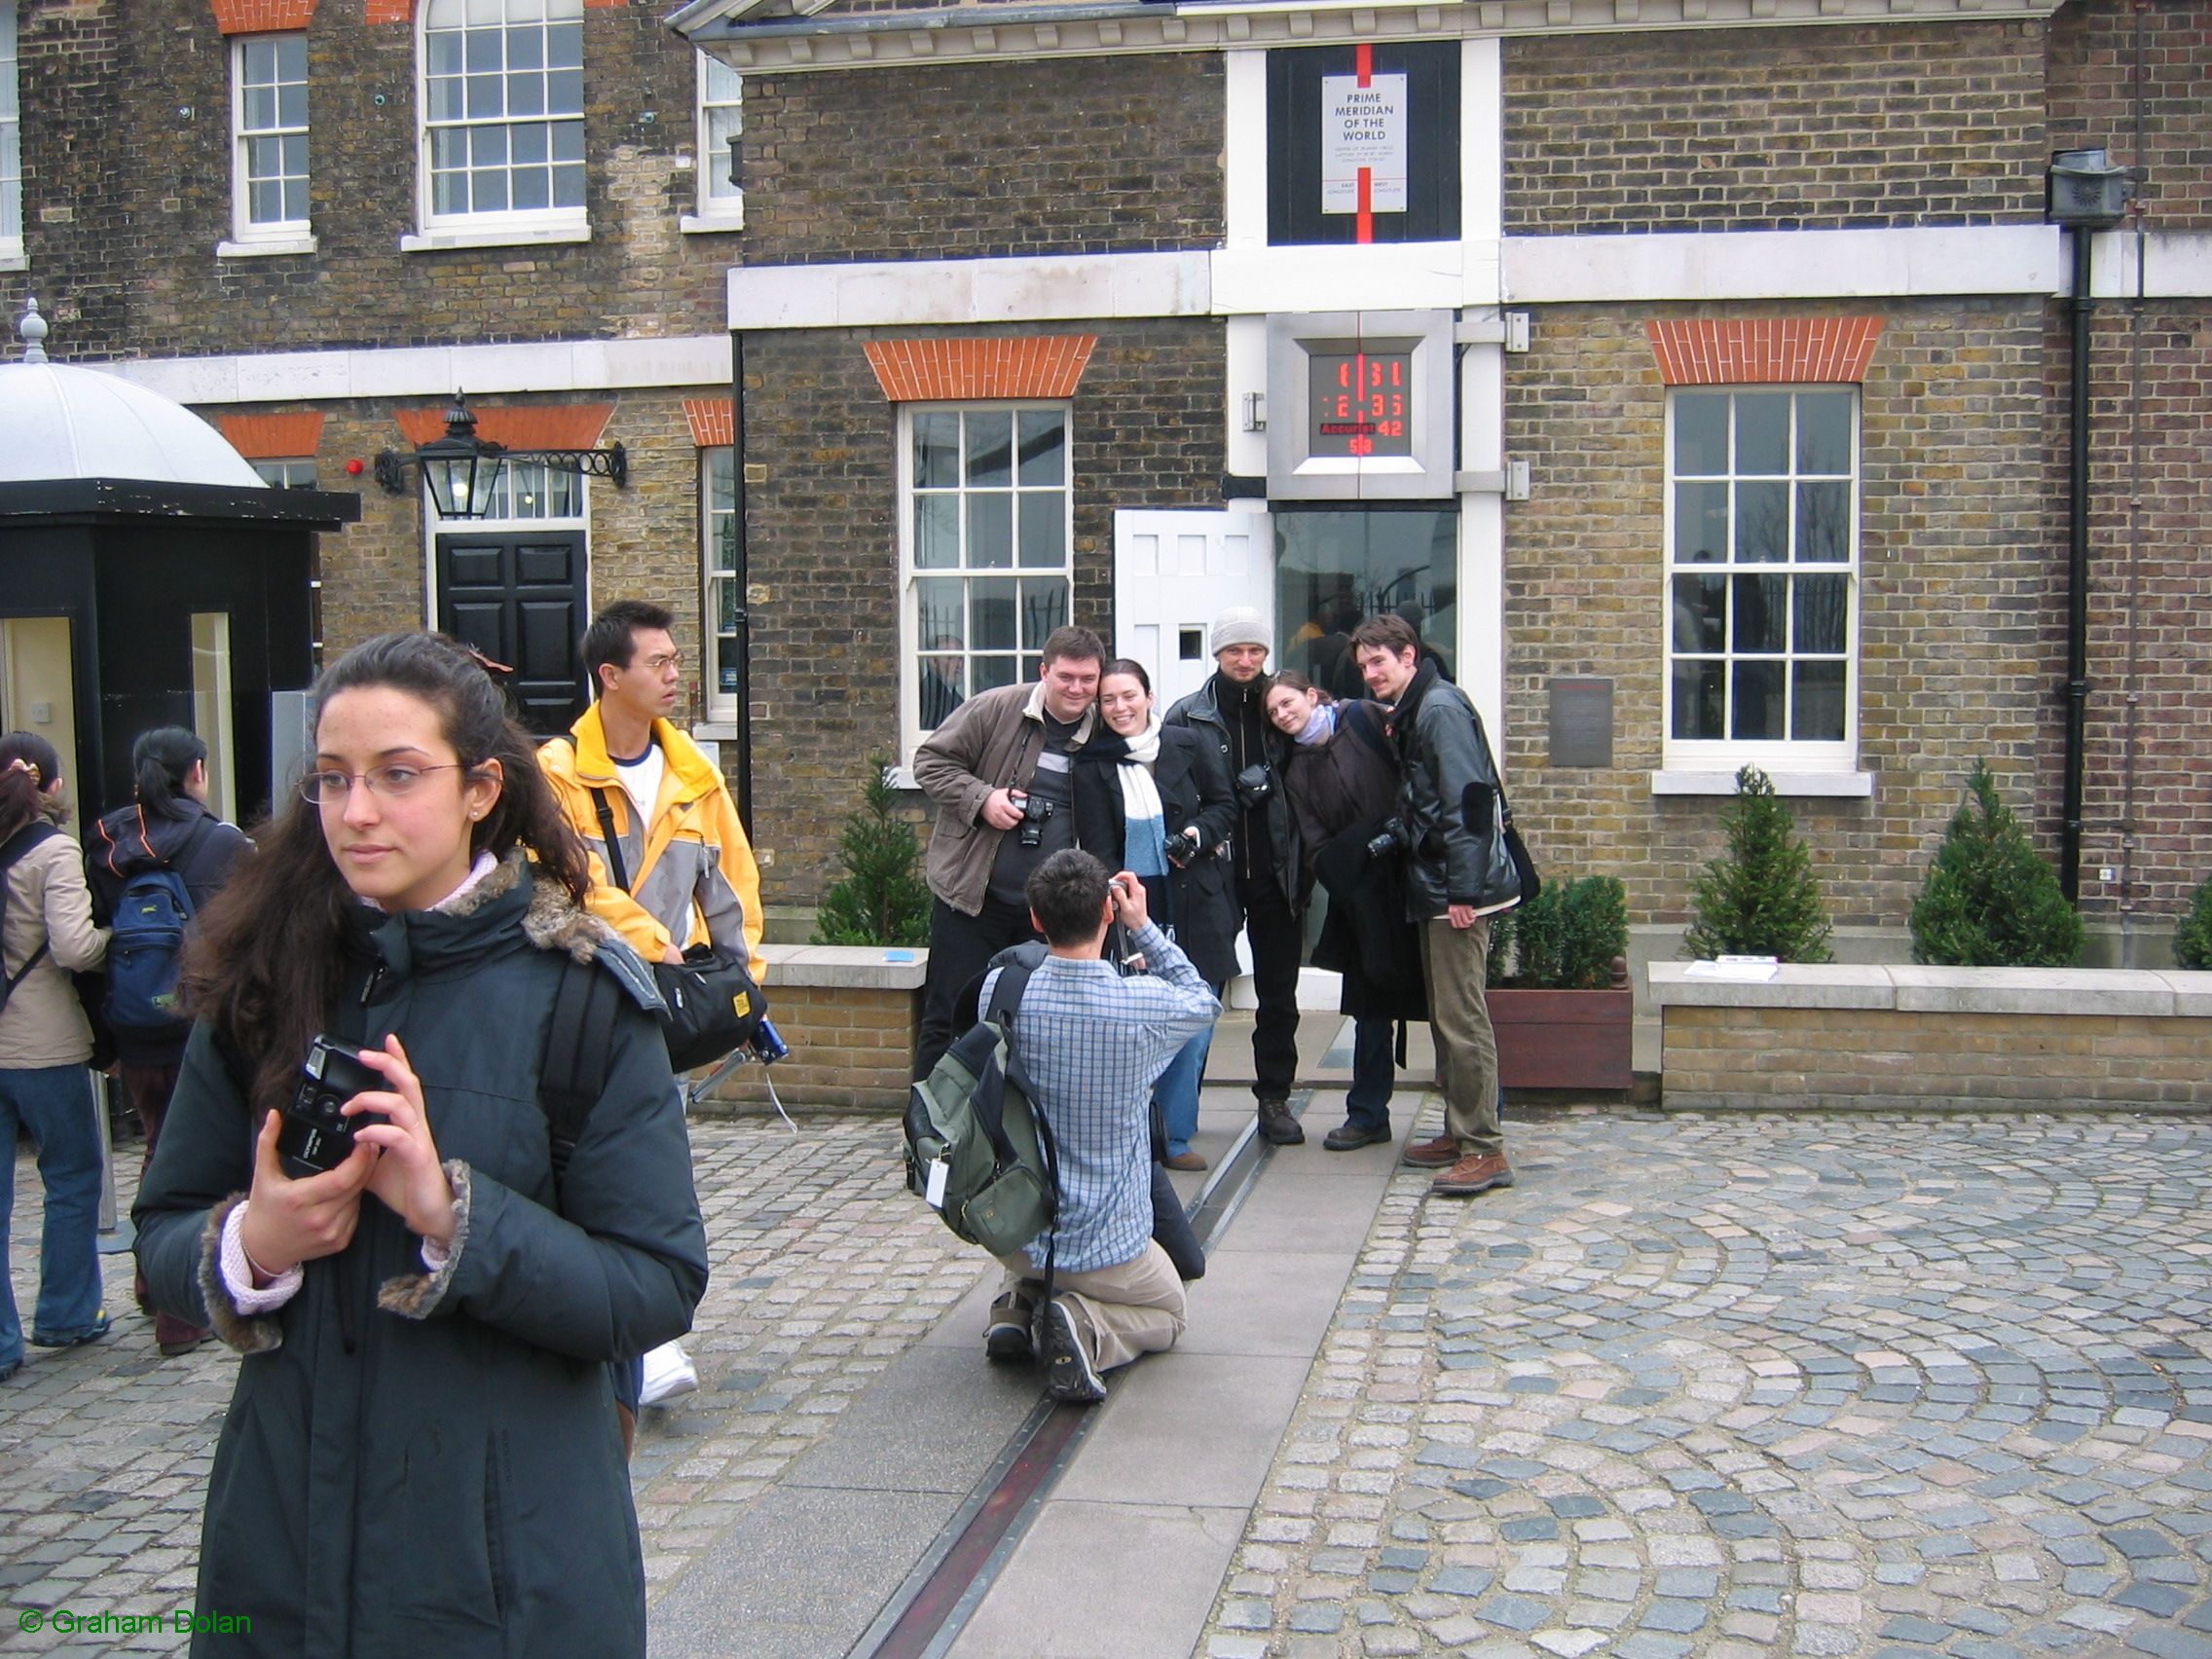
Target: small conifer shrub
x,y
1762,897
1990,900
2192,939
1562,939
882,898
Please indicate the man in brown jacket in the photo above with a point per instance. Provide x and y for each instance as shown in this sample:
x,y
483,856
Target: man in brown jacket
x,y
999,763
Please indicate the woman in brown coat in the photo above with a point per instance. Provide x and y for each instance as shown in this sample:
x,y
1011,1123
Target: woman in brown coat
x,y
46,933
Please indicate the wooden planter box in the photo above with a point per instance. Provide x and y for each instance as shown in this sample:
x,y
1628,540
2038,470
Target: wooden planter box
x,y
1563,1039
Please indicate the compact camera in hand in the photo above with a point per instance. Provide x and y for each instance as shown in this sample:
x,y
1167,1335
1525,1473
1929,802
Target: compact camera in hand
x,y
1036,811
1183,848
316,1136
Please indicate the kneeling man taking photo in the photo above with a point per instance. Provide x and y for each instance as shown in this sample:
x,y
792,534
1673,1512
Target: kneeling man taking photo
x,y
1093,1043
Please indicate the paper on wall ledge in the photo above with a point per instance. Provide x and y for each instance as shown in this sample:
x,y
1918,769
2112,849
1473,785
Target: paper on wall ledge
x,y
1749,968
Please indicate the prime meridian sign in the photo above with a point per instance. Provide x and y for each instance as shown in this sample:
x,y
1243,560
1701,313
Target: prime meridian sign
x,y
1359,406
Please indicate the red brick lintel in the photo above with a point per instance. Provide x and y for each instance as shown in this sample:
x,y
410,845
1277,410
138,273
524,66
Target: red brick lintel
x,y
1790,350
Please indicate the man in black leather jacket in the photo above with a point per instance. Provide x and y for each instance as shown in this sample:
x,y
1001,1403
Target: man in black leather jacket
x,y
1263,851
1459,874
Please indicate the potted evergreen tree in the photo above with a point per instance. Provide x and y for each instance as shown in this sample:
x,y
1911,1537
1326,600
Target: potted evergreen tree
x,y
2192,937
1760,897
1990,900
1560,1000
882,898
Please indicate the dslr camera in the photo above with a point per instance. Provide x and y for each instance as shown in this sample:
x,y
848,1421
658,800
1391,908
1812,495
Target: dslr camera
x,y
1036,811
316,1136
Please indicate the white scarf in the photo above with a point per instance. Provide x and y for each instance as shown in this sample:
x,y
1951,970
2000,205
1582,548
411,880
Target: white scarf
x,y
1146,840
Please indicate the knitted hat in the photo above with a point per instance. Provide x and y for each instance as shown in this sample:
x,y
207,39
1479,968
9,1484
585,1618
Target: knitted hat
x,y
1241,625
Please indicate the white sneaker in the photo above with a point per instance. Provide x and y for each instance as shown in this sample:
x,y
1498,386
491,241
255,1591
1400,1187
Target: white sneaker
x,y
668,1374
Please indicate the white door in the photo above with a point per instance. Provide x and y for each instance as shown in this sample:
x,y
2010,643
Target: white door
x,y
1175,571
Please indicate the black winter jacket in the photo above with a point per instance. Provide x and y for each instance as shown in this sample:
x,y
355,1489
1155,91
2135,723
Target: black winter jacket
x,y
1201,710
1447,802
1201,911
129,841
416,1463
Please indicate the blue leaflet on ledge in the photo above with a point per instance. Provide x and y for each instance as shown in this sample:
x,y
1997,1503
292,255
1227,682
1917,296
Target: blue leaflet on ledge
x,y
898,956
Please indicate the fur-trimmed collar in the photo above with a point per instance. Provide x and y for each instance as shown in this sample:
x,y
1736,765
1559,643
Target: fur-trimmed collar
x,y
554,921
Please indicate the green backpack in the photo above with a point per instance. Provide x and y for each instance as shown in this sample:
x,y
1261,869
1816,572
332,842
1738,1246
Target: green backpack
x,y
978,1151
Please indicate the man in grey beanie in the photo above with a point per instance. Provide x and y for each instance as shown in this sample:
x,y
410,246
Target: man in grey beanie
x,y
1264,850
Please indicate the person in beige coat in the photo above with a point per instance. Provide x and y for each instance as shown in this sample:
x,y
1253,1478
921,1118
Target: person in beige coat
x,y
46,933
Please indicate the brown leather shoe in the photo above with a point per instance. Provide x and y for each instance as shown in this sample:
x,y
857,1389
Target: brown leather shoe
x,y
1276,1124
1439,1153
1472,1175
1187,1161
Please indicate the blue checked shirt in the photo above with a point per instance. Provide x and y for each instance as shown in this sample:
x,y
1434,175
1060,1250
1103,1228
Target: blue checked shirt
x,y
1093,1044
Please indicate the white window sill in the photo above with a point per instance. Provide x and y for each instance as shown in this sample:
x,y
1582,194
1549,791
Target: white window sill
x,y
900,777
1838,786
716,732
12,257
711,224
496,235
260,248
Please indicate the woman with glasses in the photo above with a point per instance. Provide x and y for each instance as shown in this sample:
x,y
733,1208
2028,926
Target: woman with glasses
x,y
422,1452
166,827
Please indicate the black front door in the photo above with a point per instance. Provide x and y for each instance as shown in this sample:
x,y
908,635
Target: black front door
x,y
518,597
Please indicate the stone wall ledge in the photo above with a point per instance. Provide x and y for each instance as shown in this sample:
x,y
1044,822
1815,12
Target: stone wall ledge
x,y
846,967
1915,989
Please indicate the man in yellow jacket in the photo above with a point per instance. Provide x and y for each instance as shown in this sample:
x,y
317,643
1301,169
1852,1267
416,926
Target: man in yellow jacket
x,y
688,872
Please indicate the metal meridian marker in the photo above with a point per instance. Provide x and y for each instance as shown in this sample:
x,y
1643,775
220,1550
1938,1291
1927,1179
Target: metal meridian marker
x,y
929,1610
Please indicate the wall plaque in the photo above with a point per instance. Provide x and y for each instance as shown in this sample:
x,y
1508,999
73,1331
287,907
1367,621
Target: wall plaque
x,y
1581,722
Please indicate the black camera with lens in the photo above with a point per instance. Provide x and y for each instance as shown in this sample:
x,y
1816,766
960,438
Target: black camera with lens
x,y
1255,785
1036,811
1390,839
316,1136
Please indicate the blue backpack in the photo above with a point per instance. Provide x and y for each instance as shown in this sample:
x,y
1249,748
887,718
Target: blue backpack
x,y
146,948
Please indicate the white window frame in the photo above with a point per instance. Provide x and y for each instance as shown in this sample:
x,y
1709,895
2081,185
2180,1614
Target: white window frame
x,y
910,731
496,227
1799,766
11,142
717,518
725,211
271,235
289,472
510,523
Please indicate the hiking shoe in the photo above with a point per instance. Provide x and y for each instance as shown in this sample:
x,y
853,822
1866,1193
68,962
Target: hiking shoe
x,y
10,1369
1349,1136
1006,1337
1439,1153
1069,1374
73,1339
1472,1175
1278,1125
1189,1163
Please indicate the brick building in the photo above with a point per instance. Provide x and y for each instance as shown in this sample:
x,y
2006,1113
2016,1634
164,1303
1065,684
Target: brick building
x,y
1697,371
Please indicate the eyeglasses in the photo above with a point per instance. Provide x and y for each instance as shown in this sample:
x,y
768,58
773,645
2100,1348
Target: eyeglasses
x,y
662,664
335,789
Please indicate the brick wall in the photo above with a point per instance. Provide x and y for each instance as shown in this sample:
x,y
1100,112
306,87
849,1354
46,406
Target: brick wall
x,y
1775,128
123,214
2093,83
1843,1058
851,1049
1114,154
825,548
1956,606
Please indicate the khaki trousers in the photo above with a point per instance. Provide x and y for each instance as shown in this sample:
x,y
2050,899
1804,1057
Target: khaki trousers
x,y
1456,960
1121,1311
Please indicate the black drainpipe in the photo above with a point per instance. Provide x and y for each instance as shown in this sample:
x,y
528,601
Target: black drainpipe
x,y
2076,576
740,578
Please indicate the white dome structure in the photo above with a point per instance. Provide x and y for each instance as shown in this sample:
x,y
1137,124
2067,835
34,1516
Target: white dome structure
x,y
59,422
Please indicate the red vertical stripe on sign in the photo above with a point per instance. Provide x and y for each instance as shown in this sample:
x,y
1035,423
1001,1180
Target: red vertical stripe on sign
x,y
1363,230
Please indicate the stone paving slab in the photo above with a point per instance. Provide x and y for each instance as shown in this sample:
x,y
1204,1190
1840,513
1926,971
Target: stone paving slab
x,y
824,1274
1772,1384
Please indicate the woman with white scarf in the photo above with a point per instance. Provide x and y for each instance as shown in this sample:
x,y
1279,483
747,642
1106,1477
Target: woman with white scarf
x,y
1158,804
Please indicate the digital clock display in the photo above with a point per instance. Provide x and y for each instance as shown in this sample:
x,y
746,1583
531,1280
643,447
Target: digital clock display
x,y
1361,404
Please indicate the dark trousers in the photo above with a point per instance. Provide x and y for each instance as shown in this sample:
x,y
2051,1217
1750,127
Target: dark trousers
x,y
1373,1073
150,1088
1271,927
961,946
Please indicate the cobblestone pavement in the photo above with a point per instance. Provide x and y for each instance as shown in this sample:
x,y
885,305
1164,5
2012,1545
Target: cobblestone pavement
x,y
1765,1384
821,1275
